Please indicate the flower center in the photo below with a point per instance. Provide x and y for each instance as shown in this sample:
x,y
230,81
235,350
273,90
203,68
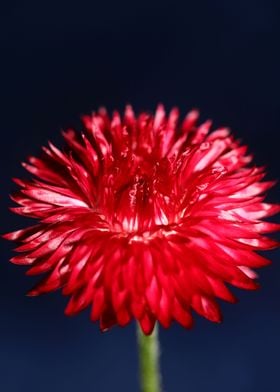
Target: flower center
x,y
137,197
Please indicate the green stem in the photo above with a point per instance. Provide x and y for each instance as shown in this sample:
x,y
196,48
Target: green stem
x,y
149,360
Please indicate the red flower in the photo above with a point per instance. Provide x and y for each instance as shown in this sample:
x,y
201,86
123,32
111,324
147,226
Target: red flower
x,y
143,218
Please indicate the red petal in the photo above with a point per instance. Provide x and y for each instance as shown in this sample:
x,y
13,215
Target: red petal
x,y
147,323
206,307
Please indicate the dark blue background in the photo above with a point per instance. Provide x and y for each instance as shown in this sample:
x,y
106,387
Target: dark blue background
x,y
61,59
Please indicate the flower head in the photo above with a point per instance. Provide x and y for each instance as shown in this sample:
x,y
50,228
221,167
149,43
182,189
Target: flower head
x,y
144,217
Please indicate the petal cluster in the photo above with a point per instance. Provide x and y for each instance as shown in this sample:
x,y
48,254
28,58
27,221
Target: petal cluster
x,y
144,217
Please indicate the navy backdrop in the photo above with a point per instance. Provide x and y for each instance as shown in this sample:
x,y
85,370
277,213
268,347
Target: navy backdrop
x,y
60,59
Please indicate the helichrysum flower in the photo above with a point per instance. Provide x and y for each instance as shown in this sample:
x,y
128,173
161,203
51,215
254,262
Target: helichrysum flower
x,y
144,217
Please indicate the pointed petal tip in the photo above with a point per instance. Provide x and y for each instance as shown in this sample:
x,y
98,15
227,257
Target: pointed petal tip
x,y
32,293
31,272
129,112
193,114
233,300
160,106
187,324
7,236
21,260
103,329
101,110
68,312
147,323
